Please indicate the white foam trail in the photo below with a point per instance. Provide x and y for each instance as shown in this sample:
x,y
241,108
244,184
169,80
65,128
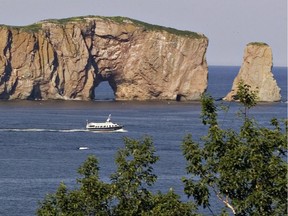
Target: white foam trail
x,y
23,129
72,130
58,130
41,130
114,131
83,148
121,131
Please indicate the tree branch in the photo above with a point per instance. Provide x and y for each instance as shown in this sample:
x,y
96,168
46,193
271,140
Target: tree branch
x,y
225,201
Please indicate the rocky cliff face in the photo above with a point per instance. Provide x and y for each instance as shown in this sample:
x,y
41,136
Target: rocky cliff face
x,y
67,59
256,71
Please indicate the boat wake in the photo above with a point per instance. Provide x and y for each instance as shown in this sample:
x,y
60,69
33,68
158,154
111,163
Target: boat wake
x,y
114,131
83,148
41,130
56,130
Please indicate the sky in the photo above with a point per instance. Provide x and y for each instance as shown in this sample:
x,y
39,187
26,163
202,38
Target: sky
x,y
229,24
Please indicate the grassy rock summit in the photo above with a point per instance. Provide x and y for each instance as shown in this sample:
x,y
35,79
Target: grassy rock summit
x,y
256,71
66,59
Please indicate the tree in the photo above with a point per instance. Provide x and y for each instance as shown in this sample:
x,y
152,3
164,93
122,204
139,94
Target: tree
x,y
92,198
133,175
244,168
127,194
246,96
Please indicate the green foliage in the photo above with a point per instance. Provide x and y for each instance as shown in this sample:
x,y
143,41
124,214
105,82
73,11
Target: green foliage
x,y
127,194
92,198
134,173
151,27
246,97
209,115
148,27
29,28
258,43
245,168
64,21
169,204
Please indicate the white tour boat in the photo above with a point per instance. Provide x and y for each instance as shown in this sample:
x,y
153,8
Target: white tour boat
x,y
103,126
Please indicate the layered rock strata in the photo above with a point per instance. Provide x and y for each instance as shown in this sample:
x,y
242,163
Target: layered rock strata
x,y
256,71
66,59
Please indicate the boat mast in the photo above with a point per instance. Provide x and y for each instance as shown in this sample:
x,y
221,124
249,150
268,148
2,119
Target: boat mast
x,y
109,118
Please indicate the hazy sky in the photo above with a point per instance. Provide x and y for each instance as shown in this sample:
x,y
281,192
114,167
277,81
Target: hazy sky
x,y
229,24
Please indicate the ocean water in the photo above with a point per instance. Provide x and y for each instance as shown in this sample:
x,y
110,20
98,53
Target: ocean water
x,y
40,140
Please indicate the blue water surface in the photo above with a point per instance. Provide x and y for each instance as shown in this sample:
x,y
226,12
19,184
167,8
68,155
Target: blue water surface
x,y
40,140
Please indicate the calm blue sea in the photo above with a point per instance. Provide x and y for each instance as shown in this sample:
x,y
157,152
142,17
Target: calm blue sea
x,y
40,140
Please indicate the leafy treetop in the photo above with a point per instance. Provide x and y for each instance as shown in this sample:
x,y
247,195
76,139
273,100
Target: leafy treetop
x,y
245,168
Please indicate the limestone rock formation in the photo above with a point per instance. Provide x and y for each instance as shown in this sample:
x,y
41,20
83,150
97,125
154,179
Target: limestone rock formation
x,y
256,71
68,58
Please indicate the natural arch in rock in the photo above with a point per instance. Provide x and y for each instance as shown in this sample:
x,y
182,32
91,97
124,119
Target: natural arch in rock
x,y
68,59
104,81
103,91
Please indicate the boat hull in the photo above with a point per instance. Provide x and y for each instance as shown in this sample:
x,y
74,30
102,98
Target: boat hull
x,y
104,129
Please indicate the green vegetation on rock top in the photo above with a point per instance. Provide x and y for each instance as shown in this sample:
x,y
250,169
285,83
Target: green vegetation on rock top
x,y
122,20
29,28
149,27
64,21
258,43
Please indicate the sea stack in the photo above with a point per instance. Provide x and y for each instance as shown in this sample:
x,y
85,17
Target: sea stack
x,y
256,71
66,59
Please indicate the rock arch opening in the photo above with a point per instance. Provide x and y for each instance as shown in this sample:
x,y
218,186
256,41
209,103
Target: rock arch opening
x,y
104,91
178,97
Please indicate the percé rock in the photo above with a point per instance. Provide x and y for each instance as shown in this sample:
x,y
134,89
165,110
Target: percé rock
x,y
68,58
256,71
